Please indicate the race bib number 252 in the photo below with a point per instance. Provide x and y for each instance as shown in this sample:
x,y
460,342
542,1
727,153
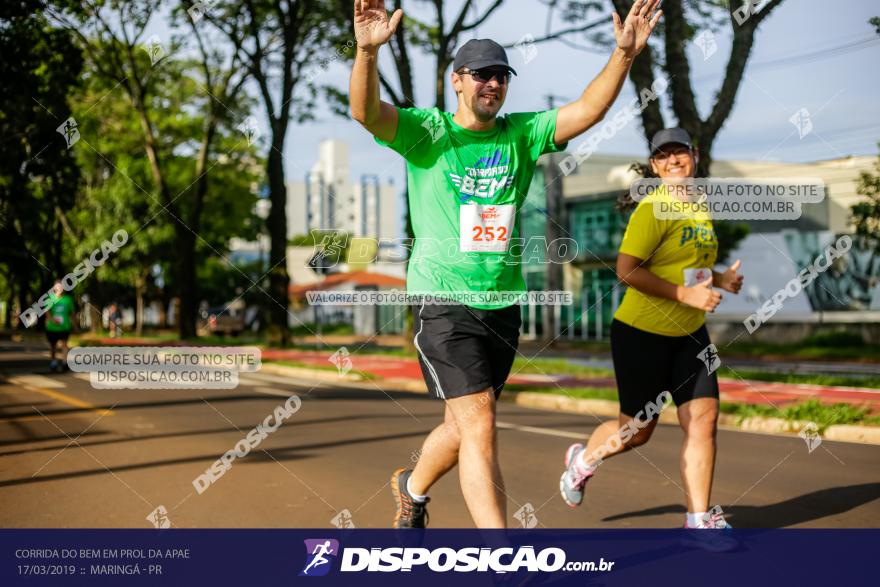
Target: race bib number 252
x,y
485,228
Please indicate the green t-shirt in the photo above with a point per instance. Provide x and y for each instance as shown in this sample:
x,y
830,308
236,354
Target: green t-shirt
x,y
466,188
59,313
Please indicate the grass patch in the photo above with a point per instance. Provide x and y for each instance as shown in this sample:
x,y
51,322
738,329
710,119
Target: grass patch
x,y
588,346
576,392
824,415
809,378
326,329
217,340
830,346
356,349
93,338
557,367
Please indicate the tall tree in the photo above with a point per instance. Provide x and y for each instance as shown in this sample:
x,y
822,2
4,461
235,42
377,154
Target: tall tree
x,y
113,35
109,198
278,41
683,23
38,173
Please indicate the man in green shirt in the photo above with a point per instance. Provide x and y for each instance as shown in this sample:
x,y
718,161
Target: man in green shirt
x,y
60,314
468,175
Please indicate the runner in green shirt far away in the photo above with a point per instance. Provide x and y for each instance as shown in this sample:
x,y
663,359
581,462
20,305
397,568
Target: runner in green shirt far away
x,y
59,322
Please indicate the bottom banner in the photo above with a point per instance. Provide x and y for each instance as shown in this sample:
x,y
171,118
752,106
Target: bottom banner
x,y
438,557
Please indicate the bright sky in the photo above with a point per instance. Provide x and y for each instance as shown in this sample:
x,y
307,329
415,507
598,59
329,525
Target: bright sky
x,y
804,57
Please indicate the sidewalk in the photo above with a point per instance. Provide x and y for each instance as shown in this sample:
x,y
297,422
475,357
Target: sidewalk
x,y
403,369
732,390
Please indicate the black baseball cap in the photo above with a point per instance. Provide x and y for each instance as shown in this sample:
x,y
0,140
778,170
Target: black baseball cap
x,y
671,135
480,53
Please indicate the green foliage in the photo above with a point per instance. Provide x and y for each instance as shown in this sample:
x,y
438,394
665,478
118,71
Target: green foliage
x,y
333,244
823,415
866,214
834,340
38,174
729,235
867,381
118,190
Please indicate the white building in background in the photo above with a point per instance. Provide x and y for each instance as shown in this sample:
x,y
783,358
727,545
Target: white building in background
x,y
326,198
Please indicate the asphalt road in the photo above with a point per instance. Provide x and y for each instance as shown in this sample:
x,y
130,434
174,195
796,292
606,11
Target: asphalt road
x,y
74,456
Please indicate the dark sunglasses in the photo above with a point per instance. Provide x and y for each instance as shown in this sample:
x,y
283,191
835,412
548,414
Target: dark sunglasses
x,y
485,74
679,151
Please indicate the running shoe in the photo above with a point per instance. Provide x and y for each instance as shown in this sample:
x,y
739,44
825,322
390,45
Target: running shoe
x,y
410,513
720,537
572,483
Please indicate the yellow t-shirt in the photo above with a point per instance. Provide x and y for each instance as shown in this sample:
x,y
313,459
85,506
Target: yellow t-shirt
x,y
680,251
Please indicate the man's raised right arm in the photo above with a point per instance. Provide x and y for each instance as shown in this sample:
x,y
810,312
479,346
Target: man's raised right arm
x,y
372,29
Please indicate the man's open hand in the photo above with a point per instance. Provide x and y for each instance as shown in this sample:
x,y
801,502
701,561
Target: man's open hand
x,y
632,34
372,27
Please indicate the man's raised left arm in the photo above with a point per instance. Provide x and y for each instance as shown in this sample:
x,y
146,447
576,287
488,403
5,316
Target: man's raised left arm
x,y
632,36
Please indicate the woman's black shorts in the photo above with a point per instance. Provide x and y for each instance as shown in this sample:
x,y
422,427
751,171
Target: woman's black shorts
x,y
647,364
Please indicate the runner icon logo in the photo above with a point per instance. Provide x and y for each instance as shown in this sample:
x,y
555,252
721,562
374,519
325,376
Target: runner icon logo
x,y
526,516
70,131
343,520
342,360
710,358
159,518
707,44
714,518
810,434
320,554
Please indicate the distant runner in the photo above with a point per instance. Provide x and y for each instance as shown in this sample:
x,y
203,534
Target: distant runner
x,y
59,322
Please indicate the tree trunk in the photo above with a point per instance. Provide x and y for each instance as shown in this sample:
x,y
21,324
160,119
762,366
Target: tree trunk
x,y
139,287
277,224
10,302
186,284
439,85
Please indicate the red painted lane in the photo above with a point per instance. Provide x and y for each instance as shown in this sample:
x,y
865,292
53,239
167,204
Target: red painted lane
x,y
737,390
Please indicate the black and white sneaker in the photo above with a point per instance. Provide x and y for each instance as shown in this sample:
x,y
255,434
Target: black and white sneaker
x,y
410,513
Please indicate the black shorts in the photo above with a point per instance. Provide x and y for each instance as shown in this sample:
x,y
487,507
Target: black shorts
x,y
54,336
463,350
647,364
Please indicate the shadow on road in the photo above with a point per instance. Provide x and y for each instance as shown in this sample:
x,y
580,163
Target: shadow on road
x,y
166,435
285,453
797,510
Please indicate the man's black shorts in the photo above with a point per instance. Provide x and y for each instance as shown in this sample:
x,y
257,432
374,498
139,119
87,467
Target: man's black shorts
x,y
463,350
54,336
647,364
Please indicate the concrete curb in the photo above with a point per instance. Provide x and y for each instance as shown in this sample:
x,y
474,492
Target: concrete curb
x,y
311,374
323,375
774,426
592,407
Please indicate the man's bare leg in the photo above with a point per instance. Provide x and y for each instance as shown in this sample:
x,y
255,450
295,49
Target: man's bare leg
x,y
480,475
439,455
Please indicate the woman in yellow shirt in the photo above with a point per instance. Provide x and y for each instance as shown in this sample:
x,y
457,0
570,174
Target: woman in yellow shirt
x,y
659,343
